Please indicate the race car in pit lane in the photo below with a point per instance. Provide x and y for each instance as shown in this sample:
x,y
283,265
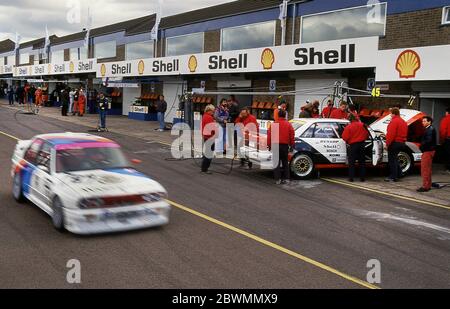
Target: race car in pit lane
x,y
86,185
318,145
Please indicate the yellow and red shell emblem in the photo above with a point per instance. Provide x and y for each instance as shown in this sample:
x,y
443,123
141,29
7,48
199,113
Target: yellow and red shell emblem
x,y
141,67
103,70
408,63
71,67
267,59
193,64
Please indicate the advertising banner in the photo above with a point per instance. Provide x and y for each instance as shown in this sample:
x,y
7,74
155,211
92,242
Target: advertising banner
x,y
68,67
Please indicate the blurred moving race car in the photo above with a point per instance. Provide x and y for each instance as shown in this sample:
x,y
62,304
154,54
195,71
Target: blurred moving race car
x,y
86,184
319,145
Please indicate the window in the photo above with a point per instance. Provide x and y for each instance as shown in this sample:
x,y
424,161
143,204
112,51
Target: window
x,y
43,157
249,36
57,56
3,61
32,152
105,50
310,132
11,60
185,45
446,16
24,58
141,50
325,130
351,23
78,53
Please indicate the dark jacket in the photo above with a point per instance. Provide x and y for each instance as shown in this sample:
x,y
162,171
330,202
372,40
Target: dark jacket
x,y
429,140
65,98
102,103
161,106
234,111
305,114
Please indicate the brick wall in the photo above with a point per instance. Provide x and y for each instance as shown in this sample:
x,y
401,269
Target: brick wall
x,y
415,29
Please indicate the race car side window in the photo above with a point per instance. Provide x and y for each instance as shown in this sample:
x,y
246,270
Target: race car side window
x,y
43,157
325,130
309,133
32,152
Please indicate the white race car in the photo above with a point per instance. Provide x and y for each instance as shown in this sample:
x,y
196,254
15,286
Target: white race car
x,y
318,145
86,184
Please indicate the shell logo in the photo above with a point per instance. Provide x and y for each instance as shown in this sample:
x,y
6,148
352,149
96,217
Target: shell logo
x,y
408,64
103,70
193,64
141,67
71,67
267,59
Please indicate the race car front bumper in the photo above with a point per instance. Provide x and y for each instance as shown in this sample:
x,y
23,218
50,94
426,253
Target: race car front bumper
x,y
100,221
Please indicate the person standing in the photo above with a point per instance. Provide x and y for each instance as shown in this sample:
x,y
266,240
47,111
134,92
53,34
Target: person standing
x,y
161,109
221,116
397,133
341,112
102,108
444,134
11,95
281,143
307,111
247,126
38,95
233,108
326,112
209,131
282,106
356,135
71,100
64,101
81,103
428,148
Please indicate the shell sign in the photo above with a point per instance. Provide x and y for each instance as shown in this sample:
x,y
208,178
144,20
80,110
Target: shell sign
x,y
408,64
267,59
103,70
192,64
141,67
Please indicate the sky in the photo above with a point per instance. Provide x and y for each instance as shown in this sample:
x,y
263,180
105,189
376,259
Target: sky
x,y
30,17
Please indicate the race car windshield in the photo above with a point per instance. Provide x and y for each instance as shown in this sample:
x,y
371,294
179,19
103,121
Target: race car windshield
x,y
85,159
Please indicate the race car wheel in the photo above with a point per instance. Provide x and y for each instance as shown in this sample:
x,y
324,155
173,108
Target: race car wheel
x,y
58,214
406,162
302,166
17,188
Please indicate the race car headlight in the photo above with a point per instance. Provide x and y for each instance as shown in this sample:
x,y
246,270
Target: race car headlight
x,y
91,203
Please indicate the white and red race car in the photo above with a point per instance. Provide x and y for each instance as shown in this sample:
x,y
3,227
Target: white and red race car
x,y
318,145
86,184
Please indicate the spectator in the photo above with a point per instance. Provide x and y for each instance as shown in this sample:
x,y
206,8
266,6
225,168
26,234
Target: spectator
x,y
428,148
76,97
341,112
64,102
233,107
161,109
81,102
11,95
316,110
444,134
397,133
283,107
209,131
355,135
102,108
281,143
307,111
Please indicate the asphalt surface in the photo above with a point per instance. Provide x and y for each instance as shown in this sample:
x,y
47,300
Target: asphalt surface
x,y
340,227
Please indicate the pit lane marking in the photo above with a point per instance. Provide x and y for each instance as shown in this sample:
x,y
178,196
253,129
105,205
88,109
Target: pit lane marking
x,y
386,193
10,136
275,246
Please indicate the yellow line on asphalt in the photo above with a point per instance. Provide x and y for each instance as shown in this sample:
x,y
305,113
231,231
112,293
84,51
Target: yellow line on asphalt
x,y
10,136
386,193
276,247
263,241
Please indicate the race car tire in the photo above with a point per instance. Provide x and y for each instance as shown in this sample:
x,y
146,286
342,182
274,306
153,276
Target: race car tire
x,y
406,162
58,215
302,166
17,188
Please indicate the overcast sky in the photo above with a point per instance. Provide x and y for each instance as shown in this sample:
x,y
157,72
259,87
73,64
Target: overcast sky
x,y
29,17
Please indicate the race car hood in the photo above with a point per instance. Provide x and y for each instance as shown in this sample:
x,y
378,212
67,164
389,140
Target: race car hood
x,y
110,183
409,115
